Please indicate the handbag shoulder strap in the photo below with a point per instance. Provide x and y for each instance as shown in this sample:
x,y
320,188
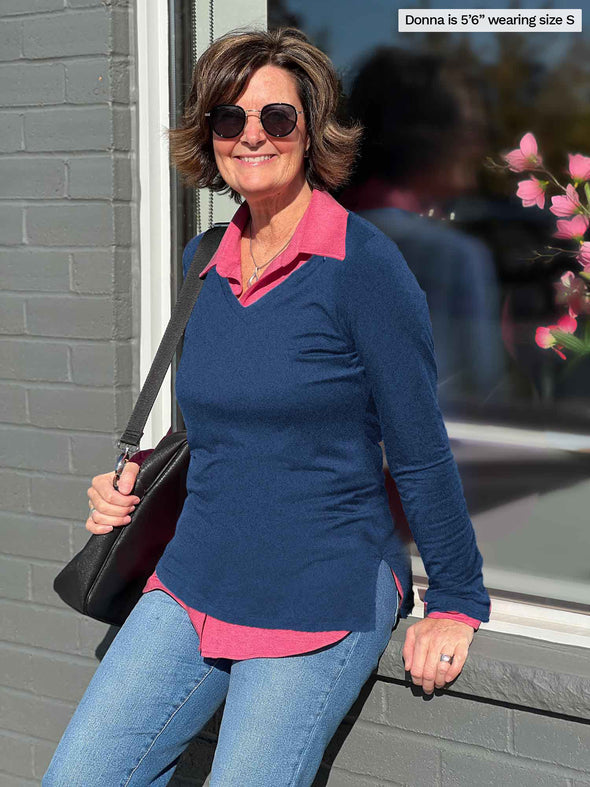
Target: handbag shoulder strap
x,y
163,358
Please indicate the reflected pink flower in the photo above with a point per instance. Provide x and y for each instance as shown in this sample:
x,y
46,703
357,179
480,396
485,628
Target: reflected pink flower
x,y
526,156
579,166
583,256
571,291
532,192
567,205
545,339
574,228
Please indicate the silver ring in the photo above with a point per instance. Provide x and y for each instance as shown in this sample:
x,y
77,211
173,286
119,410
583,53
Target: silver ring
x,y
446,657
92,510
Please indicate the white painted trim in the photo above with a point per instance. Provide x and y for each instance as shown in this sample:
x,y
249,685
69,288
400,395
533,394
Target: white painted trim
x,y
154,199
516,436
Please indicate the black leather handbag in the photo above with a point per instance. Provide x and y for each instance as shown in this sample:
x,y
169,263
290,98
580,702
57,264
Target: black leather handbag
x,y
105,579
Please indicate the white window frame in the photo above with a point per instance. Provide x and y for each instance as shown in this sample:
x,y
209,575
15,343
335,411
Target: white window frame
x,y
511,617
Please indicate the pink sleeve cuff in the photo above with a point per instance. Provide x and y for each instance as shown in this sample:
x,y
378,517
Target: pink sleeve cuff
x,y
456,616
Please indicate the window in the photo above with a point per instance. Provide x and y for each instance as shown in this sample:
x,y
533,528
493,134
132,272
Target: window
x,y
434,107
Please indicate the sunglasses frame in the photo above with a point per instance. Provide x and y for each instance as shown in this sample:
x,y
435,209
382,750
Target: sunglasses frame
x,y
259,112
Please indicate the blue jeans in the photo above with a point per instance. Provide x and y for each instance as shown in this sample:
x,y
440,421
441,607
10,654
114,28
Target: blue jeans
x,y
152,693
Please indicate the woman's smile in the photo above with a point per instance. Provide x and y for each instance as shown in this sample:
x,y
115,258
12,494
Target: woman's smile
x,y
255,161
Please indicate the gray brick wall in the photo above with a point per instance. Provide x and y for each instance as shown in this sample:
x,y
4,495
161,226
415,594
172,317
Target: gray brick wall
x,y
68,351
68,378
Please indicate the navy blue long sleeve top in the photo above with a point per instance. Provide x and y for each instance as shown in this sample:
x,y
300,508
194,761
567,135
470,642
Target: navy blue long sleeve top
x,y
286,518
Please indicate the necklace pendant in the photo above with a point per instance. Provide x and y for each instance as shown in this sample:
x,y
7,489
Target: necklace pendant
x,y
253,278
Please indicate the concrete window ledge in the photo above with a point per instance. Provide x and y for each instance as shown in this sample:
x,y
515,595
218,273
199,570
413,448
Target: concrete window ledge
x,y
512,670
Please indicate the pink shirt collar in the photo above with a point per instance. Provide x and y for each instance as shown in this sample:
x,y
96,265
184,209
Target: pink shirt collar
x,y
322,231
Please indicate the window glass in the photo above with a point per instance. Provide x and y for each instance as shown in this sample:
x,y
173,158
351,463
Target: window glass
x,y
435,107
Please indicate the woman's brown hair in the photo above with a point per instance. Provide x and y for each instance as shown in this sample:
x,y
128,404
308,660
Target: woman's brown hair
x,y
220,76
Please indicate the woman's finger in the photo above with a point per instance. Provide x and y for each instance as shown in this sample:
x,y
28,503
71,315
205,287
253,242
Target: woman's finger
x,y
103,484
109,509
459,654
418,659
101,519
443,668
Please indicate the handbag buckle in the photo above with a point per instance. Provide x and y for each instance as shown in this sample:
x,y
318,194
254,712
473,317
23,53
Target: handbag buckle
x,y
122,460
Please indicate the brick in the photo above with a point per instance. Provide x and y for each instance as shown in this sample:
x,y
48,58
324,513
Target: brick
x,y
93,271
11,37
13,408
90,3
43,752
460,769
60,677
102,364
552,740
17,781
35,270
30,84
122,34
15,667
26,359
68,33
337,778
11,131
11,224
30,536
44,627
100,177
30,6
475,723
14,491
12,314
63,129
381,752
88,81
78,317
121,117
60,496
14,578
31,715
32,177
91,177
70,225
42,592
93,454
33,449
123,317
16,755
87,409
95,637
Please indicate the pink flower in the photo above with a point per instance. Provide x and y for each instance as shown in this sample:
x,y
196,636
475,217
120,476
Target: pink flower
x,y
571,292
567,205
579,166
545,339
526,156
583,256
574,228
532,192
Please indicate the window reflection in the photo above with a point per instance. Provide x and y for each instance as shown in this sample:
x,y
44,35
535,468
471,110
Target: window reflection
x,y
435,106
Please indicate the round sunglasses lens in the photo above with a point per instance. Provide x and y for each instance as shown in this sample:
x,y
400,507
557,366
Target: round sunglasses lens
x,y
278,120
227,121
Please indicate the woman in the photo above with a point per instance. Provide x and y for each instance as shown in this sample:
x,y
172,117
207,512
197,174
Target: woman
x,y
309,339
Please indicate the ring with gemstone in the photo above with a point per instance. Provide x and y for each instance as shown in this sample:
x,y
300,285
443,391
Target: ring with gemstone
x,y
446,657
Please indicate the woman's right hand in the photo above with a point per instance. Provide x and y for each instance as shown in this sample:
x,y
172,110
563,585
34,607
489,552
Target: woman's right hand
x,y
112,507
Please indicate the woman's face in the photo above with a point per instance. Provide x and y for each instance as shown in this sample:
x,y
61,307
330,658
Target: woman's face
x,y
284,170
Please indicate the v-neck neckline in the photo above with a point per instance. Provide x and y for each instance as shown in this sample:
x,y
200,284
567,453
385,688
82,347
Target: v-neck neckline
x,y
266,300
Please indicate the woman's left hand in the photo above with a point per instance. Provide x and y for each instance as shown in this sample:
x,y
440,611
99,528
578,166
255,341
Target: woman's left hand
x,y
426,640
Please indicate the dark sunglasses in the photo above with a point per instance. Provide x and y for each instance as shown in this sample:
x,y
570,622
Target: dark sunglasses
x,y
278,120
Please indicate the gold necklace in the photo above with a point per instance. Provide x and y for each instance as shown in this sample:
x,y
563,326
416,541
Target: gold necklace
x,y
255,276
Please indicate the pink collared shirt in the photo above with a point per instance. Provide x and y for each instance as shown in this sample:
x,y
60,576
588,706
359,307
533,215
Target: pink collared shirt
x,y
321,231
